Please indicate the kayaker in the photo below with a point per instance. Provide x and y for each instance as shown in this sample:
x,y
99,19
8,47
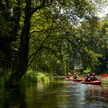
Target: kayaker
x,y
67,76
88,77
75,76
93,78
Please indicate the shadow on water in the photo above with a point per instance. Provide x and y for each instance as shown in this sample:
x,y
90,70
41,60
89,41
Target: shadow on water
x,y
65,94
13,99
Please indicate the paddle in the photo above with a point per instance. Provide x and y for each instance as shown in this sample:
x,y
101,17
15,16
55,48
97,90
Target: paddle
x,y
104,75
69,73
83,78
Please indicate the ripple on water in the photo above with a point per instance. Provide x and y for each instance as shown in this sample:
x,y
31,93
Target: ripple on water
x,y
58,95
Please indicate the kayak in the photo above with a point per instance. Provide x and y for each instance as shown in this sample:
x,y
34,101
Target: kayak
x,y
69,79
75,80
78,80
97,82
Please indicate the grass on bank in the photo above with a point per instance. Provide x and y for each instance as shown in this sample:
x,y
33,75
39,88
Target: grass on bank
x,y
32,76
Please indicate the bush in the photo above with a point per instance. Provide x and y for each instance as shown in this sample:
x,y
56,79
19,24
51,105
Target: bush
x,y
32,76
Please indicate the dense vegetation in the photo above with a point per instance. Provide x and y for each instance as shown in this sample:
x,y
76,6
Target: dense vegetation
x,y
51,36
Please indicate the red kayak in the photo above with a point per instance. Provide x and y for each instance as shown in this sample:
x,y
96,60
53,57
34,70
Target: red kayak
x,y
77,80
97,82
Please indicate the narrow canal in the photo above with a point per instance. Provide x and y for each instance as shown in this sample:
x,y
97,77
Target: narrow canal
x,y
66,94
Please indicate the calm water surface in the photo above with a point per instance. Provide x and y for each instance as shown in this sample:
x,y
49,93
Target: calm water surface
x,y
66,94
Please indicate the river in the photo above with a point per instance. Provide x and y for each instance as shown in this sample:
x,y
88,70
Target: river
x,y
59,94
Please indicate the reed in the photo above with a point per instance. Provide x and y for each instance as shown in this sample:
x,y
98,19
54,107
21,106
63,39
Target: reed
x,y
32,76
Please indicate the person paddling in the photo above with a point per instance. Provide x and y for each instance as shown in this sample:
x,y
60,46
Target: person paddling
x,y
75,76
93,78
67,76
88,77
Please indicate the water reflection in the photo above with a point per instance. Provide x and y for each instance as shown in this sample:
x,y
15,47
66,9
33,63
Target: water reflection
x,y
87,96
13,99
65,94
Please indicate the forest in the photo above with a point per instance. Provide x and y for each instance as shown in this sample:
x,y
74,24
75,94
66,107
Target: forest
x,y
51,37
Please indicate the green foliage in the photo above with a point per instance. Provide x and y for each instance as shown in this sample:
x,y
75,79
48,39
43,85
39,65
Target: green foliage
x,y
42,35
88,70
4,26
2,82
32,76
4,76
100,46
2,85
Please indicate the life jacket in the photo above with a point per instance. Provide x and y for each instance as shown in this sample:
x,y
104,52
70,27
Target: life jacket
x,y
67,76
88,78
94,78
75,77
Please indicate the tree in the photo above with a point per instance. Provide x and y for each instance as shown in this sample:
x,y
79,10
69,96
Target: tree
x,y
19,14
102,66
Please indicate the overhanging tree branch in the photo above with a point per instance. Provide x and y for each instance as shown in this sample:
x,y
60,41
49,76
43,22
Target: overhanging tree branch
x,y
40,47
53,53
37,8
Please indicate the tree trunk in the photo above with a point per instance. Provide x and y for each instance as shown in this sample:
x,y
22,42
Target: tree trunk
x,y
22,62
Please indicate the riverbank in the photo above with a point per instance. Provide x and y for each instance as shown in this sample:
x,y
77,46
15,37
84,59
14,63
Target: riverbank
x,y
82,76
